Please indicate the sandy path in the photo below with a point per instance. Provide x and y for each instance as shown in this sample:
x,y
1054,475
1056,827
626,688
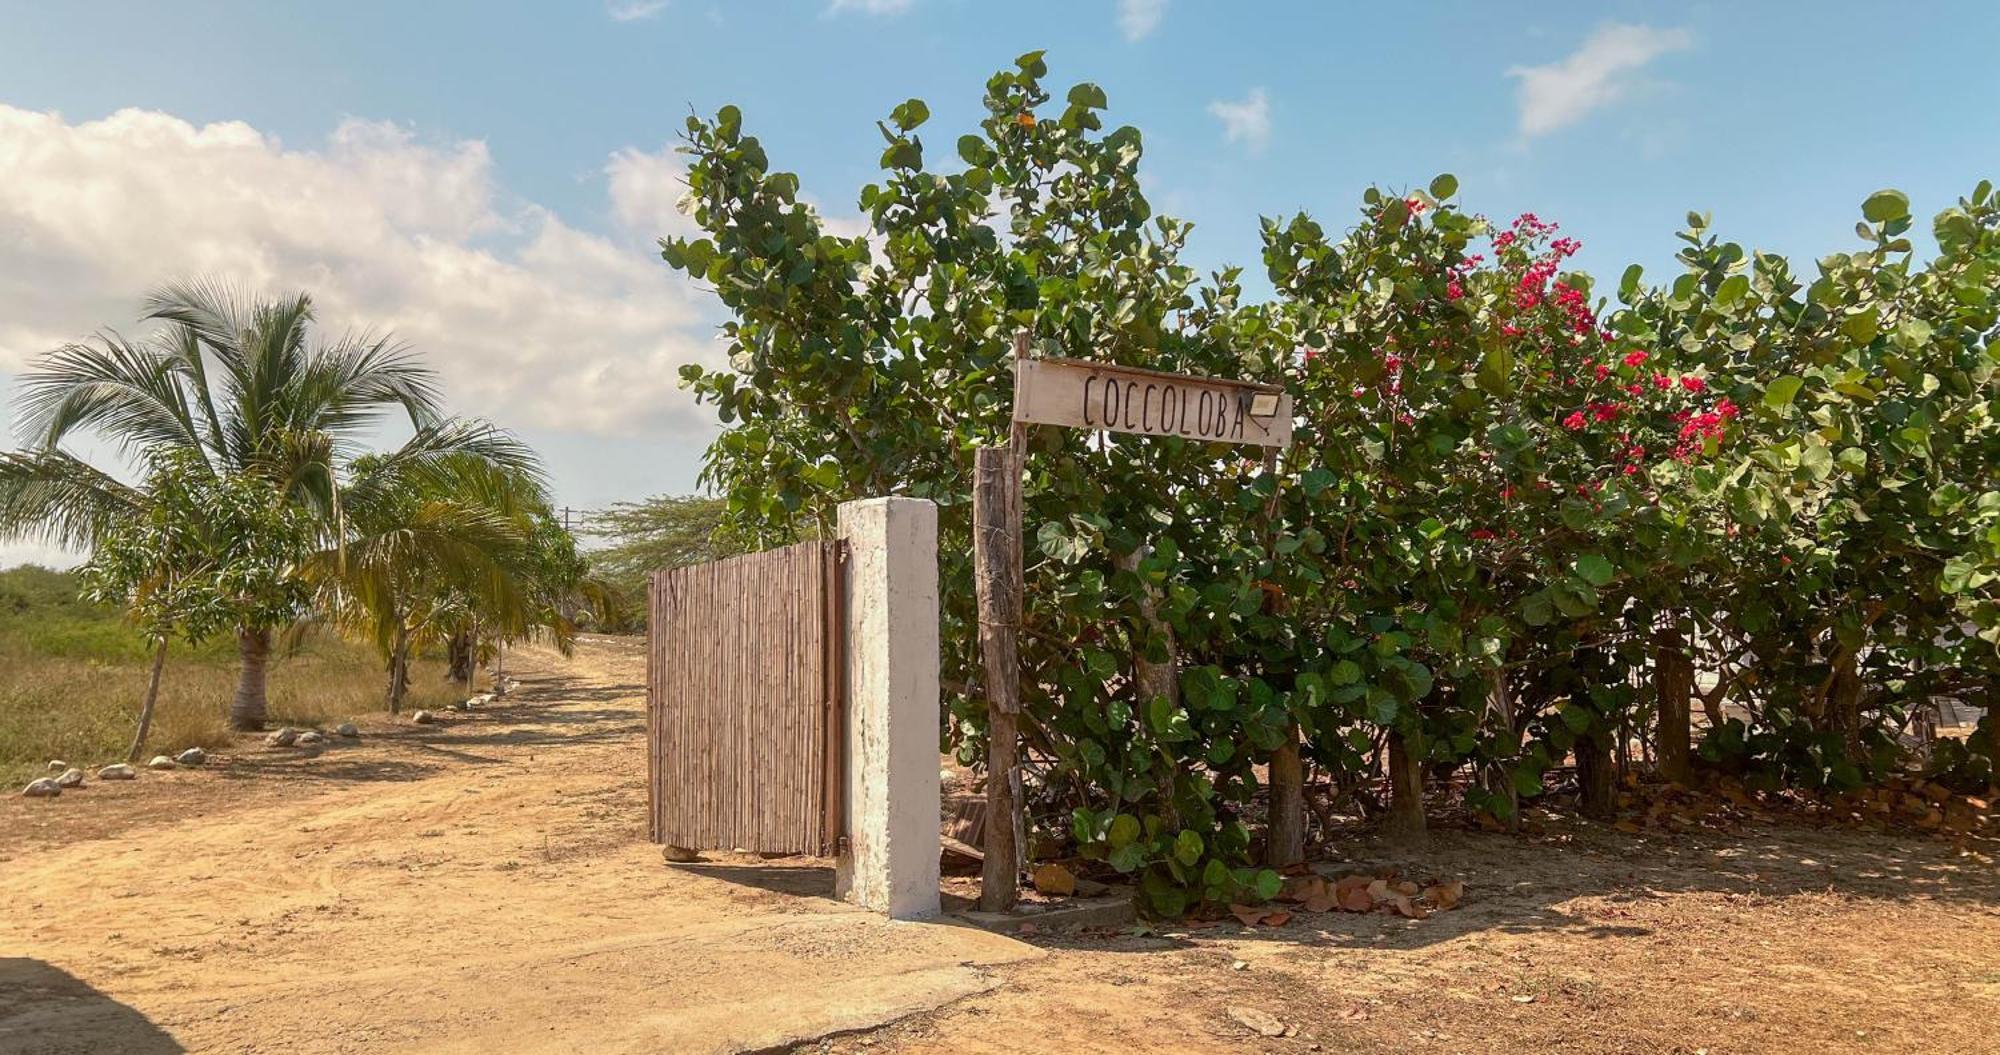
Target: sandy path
x,y
483,885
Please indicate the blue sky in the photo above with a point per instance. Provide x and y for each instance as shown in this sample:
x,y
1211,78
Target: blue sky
x,y
522,150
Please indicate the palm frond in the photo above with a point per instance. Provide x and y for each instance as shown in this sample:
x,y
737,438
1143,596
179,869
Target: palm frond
x,y
132,394
52,496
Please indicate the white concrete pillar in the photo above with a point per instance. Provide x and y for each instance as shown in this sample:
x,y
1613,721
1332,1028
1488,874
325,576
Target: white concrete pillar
x,y
891,863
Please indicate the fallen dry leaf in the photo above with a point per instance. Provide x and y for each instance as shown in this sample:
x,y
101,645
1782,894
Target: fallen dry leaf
x,y
1325,902
1355,899
1445,895
1403,906
1379,890
1247,915
1277,919
1302,888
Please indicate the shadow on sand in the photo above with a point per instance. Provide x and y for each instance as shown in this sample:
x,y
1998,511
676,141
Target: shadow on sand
x,y
45,1010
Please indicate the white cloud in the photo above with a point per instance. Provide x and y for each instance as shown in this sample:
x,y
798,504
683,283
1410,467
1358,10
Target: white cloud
x,y
869,7
646,190
1137,19
1247,122
634,10
1596,75
532,322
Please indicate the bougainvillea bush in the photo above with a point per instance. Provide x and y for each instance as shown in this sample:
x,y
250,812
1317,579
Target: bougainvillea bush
x,y
1525,524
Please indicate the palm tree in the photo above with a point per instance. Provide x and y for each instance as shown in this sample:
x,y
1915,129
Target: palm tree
x,y
243,385
425,545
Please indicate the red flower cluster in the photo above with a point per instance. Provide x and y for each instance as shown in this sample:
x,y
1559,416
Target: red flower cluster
x,y
1636,358
1707,425
1571,301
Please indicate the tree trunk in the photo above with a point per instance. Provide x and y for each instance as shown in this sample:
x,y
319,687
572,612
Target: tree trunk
x,y
1844,702
996,556
246,712
146,711
1152,677
1498,778
1673,683
458,656
1286,830
1404,824
399,670
1595,776
1993,739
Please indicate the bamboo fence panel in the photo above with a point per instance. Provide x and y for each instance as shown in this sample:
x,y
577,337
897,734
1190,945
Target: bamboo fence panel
x,y
744,683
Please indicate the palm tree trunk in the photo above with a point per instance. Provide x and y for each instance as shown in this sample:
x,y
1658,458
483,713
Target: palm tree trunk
x,y
246,712
399,670
146,711
458,653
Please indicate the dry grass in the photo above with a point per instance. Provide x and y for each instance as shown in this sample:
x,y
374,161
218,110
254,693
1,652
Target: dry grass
x,y
72,678
85,710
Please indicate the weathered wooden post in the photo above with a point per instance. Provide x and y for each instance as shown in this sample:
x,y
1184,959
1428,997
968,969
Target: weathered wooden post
x,y
998,575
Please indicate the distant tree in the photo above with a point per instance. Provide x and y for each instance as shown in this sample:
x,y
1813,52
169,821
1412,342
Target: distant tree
x,y
665,531
209,553
459,555
243,389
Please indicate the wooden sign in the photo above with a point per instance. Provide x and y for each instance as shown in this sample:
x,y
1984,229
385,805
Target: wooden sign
x,y
1086,395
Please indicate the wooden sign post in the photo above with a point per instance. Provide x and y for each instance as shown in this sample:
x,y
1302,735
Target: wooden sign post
x,y
1072,393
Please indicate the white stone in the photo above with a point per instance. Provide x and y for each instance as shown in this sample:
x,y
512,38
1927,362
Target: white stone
x,y
423,717
160,762
193,756
310,738
57,765
347,729
118,771
892,794
285,737
42,788
71,778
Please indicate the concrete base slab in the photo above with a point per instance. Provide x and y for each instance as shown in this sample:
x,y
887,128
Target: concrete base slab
x,y
1112,910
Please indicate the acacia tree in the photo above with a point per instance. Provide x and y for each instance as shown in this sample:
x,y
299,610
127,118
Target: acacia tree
x,y
209,553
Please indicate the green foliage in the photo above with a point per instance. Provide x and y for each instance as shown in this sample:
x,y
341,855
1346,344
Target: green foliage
x,y
665,531
1504,498
209,554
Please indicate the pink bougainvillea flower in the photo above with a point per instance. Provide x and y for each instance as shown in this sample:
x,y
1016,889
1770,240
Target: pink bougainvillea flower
x,y
1693,383
1575,422
1636,358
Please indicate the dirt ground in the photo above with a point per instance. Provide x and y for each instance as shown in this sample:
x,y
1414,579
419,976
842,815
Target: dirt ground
x,y
485,885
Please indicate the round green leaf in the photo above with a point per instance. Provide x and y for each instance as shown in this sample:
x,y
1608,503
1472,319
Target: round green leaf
x,y
1884,206
1782,391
